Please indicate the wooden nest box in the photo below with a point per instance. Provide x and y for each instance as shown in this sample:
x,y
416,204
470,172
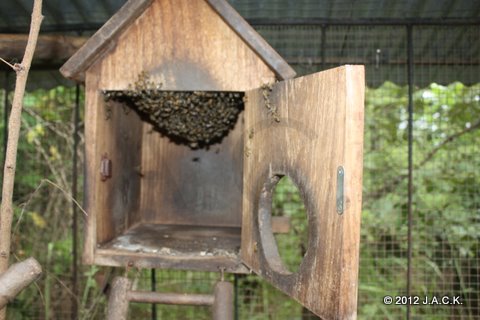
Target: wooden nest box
x,y
162,69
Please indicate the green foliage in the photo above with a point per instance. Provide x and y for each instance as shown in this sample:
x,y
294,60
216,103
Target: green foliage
x,y
287,202
446,213
43,213
445,230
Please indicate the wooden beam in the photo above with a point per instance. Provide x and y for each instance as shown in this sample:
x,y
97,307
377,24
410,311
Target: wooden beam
x,y
118,300
50,48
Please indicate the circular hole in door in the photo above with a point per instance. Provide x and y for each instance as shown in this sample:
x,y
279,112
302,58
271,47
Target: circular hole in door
x,y
283,225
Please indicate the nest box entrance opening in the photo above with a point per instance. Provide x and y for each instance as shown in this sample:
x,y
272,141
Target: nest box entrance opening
x,y
288,204
281,199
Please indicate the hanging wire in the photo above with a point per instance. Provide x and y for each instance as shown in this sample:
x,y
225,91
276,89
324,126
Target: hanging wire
x,y
410,160
153,279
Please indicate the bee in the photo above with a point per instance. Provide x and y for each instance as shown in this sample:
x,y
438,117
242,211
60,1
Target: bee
x,y
251,133
198,118
271,109
247,152
108,111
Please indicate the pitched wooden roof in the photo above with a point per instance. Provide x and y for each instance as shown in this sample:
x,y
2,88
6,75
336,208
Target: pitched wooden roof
x,y
101,41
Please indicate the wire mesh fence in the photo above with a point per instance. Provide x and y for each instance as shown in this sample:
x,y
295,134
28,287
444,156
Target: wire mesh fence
x,y
446,200
445,231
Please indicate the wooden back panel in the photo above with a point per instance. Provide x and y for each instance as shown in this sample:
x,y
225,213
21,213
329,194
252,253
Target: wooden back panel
x,y
115,133
192,187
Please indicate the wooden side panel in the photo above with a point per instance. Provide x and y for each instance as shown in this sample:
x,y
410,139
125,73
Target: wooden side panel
x,y
192,187
320,129
91,168
353,158
185,45
114,133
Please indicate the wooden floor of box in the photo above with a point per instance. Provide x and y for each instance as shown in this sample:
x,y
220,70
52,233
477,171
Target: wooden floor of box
x,y
177,240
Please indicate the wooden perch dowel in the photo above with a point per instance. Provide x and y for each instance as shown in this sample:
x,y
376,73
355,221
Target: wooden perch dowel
x,y
223,304
171,298
120,296
19,276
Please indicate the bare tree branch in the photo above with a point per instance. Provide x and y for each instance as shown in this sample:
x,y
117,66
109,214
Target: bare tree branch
x,y
393,184
449,139
7,63
6,209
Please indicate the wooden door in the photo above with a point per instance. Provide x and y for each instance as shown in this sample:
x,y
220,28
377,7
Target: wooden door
x,y
311,130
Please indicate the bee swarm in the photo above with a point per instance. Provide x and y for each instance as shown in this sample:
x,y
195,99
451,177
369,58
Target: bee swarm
x,y
198,118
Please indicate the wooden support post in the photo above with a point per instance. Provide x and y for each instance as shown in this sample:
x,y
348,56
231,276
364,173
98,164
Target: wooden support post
x,y
223,304
17,278
118,302
121,295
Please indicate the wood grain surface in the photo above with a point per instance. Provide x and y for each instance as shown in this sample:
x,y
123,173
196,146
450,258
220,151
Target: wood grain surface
x,y
101,41
320,129
185,45
185,25
192,187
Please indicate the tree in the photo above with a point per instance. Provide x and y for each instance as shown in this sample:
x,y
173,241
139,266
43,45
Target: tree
x,y
6,211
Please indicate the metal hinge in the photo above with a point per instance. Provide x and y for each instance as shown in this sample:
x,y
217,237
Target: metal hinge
x,y
340,190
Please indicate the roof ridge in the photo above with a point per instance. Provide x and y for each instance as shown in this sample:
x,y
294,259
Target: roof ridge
x,y
100,42
255,41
